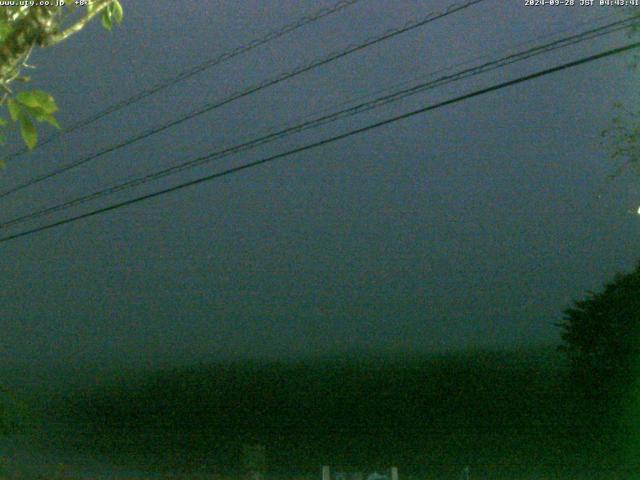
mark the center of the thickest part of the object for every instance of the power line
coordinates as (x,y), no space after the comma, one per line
(360,108)
(194,70)
(468,61)
(411,25)
(326,141)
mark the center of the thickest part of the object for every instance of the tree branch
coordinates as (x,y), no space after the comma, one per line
(28,31)
(79,25)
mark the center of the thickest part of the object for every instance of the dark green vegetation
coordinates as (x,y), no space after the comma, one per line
(22,30)
(14,413)
(501,412)
(507,414)
(601,336)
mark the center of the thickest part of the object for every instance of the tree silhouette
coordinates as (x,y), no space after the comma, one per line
(601,336)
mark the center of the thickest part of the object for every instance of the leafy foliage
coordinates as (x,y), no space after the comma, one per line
(29,106)
(112,13)
(602,337)
(22,28)
(623,137)
(624,133)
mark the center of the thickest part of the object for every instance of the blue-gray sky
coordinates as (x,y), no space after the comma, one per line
(474,225)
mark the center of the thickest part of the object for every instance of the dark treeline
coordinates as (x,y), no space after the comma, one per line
(435,413)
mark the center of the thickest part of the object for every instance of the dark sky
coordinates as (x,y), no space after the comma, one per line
(474,225)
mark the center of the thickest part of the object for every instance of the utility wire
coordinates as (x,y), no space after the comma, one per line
(253,89)
(329,140)
(470,60)
(362,107)
(194,70)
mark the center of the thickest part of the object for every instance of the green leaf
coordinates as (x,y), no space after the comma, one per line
(3,122)
(43,116)
(36,112)
(51,120)
(37,99)
(106,19)
(28,131)
(116,11)
(14,109)
(5,30)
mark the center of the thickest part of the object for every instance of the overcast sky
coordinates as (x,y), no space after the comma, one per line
(470,226)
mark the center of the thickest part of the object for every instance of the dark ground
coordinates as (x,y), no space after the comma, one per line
(506,414)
